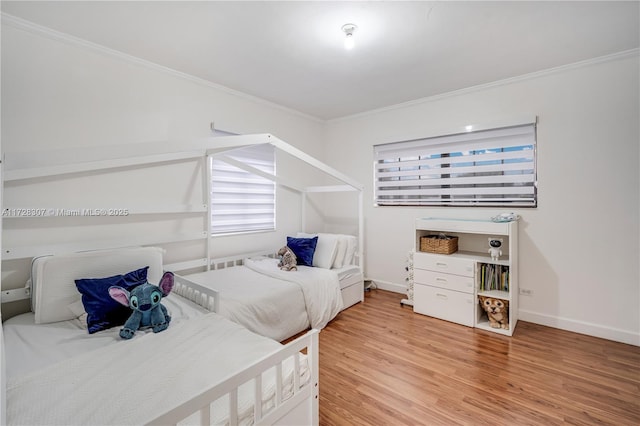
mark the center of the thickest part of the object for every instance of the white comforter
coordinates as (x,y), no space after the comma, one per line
(131,382)
(320,288)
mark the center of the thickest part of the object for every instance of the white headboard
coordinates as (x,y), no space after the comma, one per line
(53,288)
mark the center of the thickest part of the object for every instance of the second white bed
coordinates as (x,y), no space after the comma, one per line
(275,303)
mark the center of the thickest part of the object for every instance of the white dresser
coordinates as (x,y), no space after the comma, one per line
(444,287)
(447,286)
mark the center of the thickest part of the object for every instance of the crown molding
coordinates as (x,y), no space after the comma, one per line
(600,59)
(52,34)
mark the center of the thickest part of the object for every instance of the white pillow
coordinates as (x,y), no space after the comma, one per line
(341,252)
(53,278)
(352,245)
(326,249)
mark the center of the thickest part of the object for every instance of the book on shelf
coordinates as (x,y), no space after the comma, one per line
(494,277)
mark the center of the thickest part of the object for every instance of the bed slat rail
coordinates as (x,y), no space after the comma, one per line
(257,396)
(233,408)
(238,260)
(278,384)
(206,297)
(305,393)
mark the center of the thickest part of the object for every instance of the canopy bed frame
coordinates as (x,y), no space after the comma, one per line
(43,169)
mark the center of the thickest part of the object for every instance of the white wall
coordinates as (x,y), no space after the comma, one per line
(60,93)
(579,250)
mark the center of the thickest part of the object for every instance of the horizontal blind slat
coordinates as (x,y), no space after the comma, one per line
(460,191)
(497,164)
(451,140)
(511,168)
(240,200)
(505,156)
(478,180)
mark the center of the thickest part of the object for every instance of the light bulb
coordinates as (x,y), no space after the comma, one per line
(348,30)
(349,42)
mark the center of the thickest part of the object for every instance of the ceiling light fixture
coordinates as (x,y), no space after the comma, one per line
(349,29)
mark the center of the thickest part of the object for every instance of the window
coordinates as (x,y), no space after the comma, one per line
(494,167)
(242,200)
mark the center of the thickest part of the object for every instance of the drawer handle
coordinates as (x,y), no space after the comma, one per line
(442,280)
(442,296)
(441,264)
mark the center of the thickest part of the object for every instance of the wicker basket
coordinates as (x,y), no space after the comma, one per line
(441,244)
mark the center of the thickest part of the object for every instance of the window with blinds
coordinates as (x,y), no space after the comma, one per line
(242,201)
(495,167)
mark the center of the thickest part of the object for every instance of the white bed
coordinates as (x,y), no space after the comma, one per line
(58,373)
(155,194)
(280,304)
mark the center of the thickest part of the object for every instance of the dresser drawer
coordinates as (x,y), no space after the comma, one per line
(442,280)
(448,264)
(445,304)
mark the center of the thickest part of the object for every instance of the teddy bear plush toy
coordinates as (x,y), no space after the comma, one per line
(288,260)
(145,302)
(497,311)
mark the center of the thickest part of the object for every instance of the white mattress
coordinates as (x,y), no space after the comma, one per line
(265,305)
(29,346)
(59,374)
(274,303)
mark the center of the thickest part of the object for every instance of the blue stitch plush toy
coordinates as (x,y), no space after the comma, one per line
(145,302)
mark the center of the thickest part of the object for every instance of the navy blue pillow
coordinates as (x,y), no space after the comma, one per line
(303,248)
(102,311)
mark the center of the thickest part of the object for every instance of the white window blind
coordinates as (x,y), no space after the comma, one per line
(494,167)
(242,201)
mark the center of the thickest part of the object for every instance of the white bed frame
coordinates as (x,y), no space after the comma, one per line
(30,168)
(25,168)
(301,408)
(351,295)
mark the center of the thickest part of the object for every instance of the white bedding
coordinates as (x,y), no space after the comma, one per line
(320,288)
(157,371)
(30,346)
(274,303)
(265,305)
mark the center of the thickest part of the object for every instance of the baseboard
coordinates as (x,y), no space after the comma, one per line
(591,329)
(389,286)
(582,327)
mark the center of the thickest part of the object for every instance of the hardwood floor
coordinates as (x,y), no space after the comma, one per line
(381,364)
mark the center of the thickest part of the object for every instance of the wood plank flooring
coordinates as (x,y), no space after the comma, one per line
(381,364)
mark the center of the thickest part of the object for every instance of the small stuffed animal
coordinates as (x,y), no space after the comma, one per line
(288,260)
(145,302)
(497,311)
(494,250)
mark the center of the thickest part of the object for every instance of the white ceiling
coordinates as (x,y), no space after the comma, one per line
(291,53)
